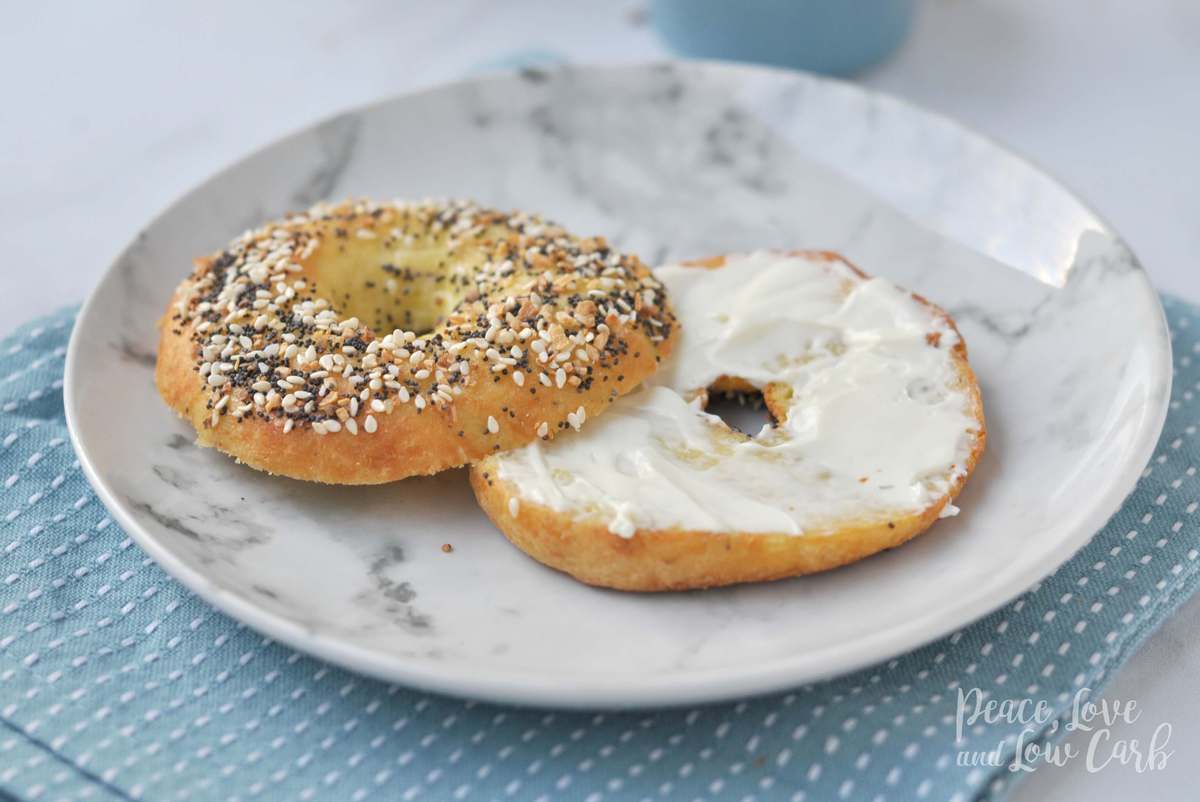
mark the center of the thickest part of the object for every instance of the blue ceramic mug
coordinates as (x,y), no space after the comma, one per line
(838,37)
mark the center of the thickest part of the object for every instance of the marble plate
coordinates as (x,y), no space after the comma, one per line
(672,161)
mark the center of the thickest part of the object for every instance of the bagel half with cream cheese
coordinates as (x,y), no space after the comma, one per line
(878,422)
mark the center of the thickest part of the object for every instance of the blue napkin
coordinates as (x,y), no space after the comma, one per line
(117,683)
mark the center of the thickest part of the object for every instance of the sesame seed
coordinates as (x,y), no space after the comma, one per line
(492,425)
(543,429)
(419,403)
(519,378)
(560,378)
(332,425)
(370,425)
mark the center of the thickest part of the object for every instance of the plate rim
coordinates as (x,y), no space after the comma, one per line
(666,690)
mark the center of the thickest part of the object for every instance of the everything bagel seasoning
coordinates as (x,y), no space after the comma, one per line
(528,304)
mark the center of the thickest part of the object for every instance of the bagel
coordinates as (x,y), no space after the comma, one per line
(365,342)
(878,422)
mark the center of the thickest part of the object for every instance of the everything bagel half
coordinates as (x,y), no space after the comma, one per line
(878,422)
(365,342)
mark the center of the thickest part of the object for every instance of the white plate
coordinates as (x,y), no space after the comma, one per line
(671,161)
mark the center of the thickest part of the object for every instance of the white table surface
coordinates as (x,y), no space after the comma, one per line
(114,109)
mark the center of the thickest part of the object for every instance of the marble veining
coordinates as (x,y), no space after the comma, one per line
(336,139)
(671,161)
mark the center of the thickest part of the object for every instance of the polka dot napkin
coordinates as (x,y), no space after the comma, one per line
(117,683)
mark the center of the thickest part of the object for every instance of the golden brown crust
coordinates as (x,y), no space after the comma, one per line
(674,559)
(407,442)
(484,410)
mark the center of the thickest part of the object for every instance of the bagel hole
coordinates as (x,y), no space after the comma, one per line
(741,410)
(413,290)
(407,299)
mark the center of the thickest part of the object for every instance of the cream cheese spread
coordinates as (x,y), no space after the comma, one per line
(879,421)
